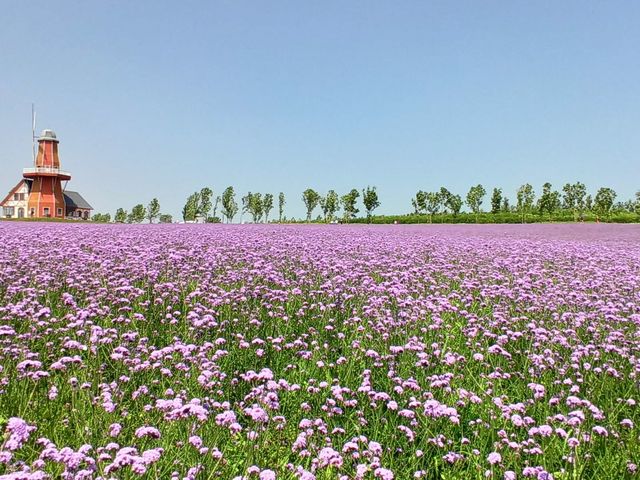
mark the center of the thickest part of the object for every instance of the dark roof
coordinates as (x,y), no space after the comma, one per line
(75,200)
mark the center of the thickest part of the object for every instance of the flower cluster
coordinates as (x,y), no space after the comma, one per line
(303,352)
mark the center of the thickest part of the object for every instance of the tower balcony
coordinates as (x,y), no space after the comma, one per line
(32,172)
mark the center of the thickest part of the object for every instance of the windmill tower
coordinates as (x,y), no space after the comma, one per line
(46,198)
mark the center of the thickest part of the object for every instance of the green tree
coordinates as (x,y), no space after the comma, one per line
(454,204)
(526,197)
(474,199)
(505,205)
(419,203)
(330,205)
(101,218)
(153,210)
(370,201)
(444,197)
(637,203)
(204,205)
(433,201)
(621,207)
(496,200)
(311,199)
(246,204)
(190,209)
(165,218)
(603,201)
(138,214)
(579,192)
(267,206)
(215,207)
(628,206)
(348,202)
(568,197)
(573,198)
(121,215)
(281,203)
(549,201)
(229,205)
(255,206)
(588,203)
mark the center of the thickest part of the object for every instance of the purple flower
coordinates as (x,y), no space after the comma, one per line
(150,432)
(267,475)
(19,432)
(383,473)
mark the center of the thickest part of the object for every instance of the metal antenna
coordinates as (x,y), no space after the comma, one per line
(33,133)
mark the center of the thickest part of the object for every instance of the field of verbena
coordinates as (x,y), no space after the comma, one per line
(209,351)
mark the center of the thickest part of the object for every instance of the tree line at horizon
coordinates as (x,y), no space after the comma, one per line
(574,198)
(202,206)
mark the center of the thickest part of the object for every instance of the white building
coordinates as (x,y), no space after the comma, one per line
(16,202)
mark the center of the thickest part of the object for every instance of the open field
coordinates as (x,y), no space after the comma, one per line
(319,352)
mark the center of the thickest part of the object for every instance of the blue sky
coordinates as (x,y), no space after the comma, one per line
(162,98)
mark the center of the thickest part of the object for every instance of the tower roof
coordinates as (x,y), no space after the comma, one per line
(48,134)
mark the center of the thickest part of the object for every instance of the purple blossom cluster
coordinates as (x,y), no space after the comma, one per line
(315,352)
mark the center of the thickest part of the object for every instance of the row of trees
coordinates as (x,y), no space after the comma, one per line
(138,214)
(331,202)
(202,206)
(573,198)
(259,205)
(199,206)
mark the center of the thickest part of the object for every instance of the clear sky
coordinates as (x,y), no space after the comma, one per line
(154,98)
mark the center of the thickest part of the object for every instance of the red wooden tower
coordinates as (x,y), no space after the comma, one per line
(46,198)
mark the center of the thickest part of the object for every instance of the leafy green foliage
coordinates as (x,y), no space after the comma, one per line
(604,201)
(370,200)
(549,201)
(229,205)
(526,197)
(496,200)
(311,200)
(474,198)
(138,214)
(267,205)
(330,205)
(348,202)
(190,209)
(281,203)
(419,203)
(253,204)
(101,218)
(121,215)
(204,205)
(153,210)
(454,204)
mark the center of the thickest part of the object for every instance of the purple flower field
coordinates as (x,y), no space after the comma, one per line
(319,352)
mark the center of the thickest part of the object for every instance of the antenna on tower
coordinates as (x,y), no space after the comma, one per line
(33,133)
